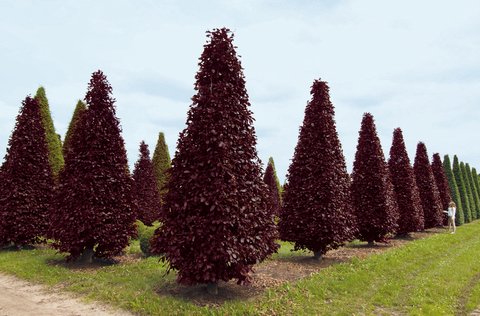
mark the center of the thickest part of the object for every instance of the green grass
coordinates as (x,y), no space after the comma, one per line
(438,275)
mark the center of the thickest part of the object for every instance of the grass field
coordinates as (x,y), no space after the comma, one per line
(433,276)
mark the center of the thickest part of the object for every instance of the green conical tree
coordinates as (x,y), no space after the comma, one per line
(54,144)
(81,106)
(467,215)
(476,185)
(468,188)
(161,163)
(279,186)
(455,194)
(473,189)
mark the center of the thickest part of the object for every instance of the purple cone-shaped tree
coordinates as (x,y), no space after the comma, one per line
(317,210)
(403,179)
(26,180)
(442,184)
(372,189)
(431,203)
(273,194)
(94,204)
(146,188)
(216,223)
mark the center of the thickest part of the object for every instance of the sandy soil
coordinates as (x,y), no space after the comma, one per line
(18,297)
(21,298)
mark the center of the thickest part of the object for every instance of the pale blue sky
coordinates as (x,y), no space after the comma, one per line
(412,64)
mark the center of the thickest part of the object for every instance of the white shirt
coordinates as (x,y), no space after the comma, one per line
(451,211)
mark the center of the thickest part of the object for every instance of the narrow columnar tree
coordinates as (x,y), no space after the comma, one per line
(279,186)
(26,179)
(372,189)
(468,188)
(455,194)
(94,209)
(429,195)
(473,189)
(403,179)
(79,108)
(442,184)
(54,145)
(217,223)
(467,215)
(273,193)
(317,211)
(161,164)
(146,189)
(476,186)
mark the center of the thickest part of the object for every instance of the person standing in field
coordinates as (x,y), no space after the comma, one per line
(452,209)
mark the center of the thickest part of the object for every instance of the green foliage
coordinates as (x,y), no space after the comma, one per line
(81,106)
(161,163)
(55,155)
(473,192)
(280,188)
(476,185)
(455,193)
(470,215)
(462,190)
(145,239)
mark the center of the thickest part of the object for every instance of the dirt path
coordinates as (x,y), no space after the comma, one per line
(22,298)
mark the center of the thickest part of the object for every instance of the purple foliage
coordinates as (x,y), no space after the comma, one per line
(317,210)
(372,189)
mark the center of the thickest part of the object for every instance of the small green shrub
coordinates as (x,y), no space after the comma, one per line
(145,239)
(141,227)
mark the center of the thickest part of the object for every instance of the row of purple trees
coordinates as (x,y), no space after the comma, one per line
(218,218)
(323,207)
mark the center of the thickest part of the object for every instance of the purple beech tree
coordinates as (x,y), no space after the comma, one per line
(273,193)
(442,184)
(216,223)
(317,210)
(431,203)
(26,180)
(94,209)
(403,179)
(146,188)
(372,190)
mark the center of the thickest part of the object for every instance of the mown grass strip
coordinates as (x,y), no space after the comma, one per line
(433,276)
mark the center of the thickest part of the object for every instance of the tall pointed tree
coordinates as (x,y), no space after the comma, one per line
(476,186)
(455,194)
(468,188)
(79,108)
(161,164)
(467,215)
(442,184)
(54,144)
(94,209)
(372,189)
(279,186)
(429,194)
(403,179)
(317,210)
(473,190)
(26,179)
(273,192)
(217,224)
(146,189)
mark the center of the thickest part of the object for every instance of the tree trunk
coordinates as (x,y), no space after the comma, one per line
(87,256)
(317,255)
(212,288)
